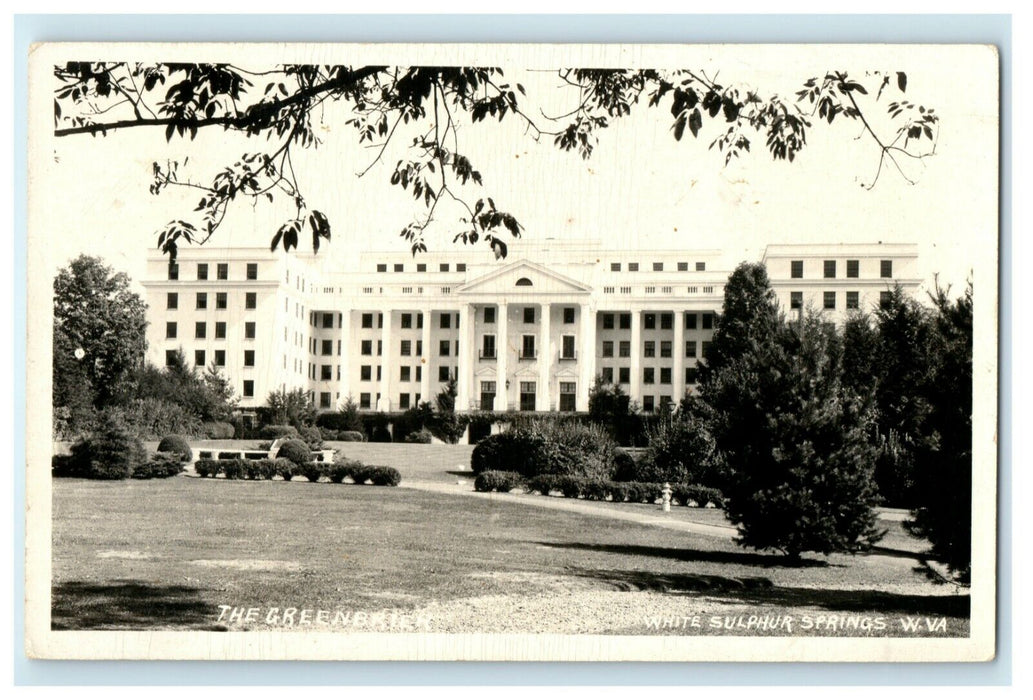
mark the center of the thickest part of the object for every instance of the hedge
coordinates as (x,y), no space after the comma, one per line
(275,432)
(161,466)
(178,445)
(287,470)
(360,473)
(548,447)
(313,471)
(422,437)
(692,495)
(503,482)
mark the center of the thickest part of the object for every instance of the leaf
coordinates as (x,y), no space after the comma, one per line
(901,81)
(679,128)
(695,122)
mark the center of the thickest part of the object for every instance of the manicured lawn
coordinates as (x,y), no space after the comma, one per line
(167,554)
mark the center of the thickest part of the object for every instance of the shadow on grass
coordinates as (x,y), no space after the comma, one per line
(761,591)
(77,605)
(685,554)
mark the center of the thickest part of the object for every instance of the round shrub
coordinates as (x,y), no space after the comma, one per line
(385,476)
(503,482)
(624,466)
(110,452)
(218,431)
(208,468)
(285,468)
(351,436)
(312,437)
(543,484)
(680,451)
(234,468)
(338,471)
(360,473)
(275,432)
(421,437)
(504,452)
(177,445)
(160,466)
(312,471)
(296,451)
(548,447)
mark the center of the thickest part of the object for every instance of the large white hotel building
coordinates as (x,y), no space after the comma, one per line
(527,333)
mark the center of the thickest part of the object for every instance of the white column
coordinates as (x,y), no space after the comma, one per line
(635,389)
(425,357)
(545,358)
(678,353)
(466,354)
(586,356)
(386,365)
(502,353)
(343,360)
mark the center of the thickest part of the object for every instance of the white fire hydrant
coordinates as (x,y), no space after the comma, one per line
(665,498)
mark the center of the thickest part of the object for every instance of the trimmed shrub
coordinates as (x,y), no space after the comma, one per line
(218,431)
(680,451)
(177,445)
(338,471)
(503,482)
(385,476)
(285,468)
(226,455)
(313,471)
(312,437)
(296,451)
(110,452)
(328,433)
(208,468)
(160,466)
(234,468)
(624,465)
(351,436)
(422,437)
(548,447)
(698,496)
(543,483)
(275,432)
(360,473)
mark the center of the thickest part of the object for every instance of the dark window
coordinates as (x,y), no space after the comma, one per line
(647,404)
(528,314)
(460,267)
(527,396)
(367,320)
(648,375)
(607,348)
(399,267)
(249,388)
(690,348)
(658,267)
(666,321)
(568,314)
(405,373)
(202,300)
(488,347)
(650,349)
(487,396)
(170,329)
(443,347)
(705,348)
(406,321)
(615,267)
(665,375)
(403,401)
(252,271)
(853,268)
(200,329)
(683,267)
(852,300)
(607,321)
(691,374)
(624,375)
(328,320)
(406,347)
(568,396)
(796,269)
(701,267)
(691,321)
(249,329)
(527,347)
(419,320)
(250,300)
(625,322)
(442,374)
(220,330)
(380,348)
(220,358)
(446,320)
(489,314)
(324,399)
(419,376)
(381,267)
(830,269)
(327,347)
(829,300)
(886,268)
(624,348)
(249,358)
(665,348)
(567,350)
(326,372)
(172,300)
(649,321)
(366,347)
(173,271)
(364,400)
(380,320)
(632,267)
(421,267)
(222,271)
(220,300)
(443,267)
(202,271)
(795,300)
(885,299)
(366,373)
(608,375)
(419,348)
(708,321)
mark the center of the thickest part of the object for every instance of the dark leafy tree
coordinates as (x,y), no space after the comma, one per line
(860,353)
(446,424)
(206,396)
(943,477)
(99,333)
(293,407)
(796,444)
(427,107)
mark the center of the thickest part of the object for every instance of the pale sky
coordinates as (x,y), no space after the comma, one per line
(641,188)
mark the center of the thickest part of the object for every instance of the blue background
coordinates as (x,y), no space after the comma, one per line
(980,29)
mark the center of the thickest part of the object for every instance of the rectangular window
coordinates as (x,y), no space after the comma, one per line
(399,267)
(527,396)
(853,268)
(442,374)
(366,347)
(249,358)
(886,268)
(443,267)
(568,314)
(421,267)
(607,374)
(202,300)
(658,267)
(489,314)
(690,348)
(403,401)
(326,347)
(829,300)
(487,396)
(328,320)
(324,399)
(568,396)
(650,349)
(796,269)
(488,347)
(683,267)
(326,372)
(528,314)
(406,321)
(795,300)
(649,321)
(199,358)
(665,375)
(419,320)
(446,321)
(705,347)
(691,375)
(380,372)
(200,329)
(607,322)
(380,320)
(419,374)
(405,373)
(624,375)
(624,348)
(701,267)
(830,269)
(647,404)
(249,330)
(220,330)
(419,348)
(852,300)
(367,320)
(625,322)
(527,348)
(607,348)
(444,347)
(648,375)
(220,358)
(632,267)
(366,373)
(615,267)
(381,267)
(252,271)
(250,300)
(202,271)
(170,329)
(406,348)
(708,321)
(173,271)
(380,348)
(249,388)
(364,400)
(567,347)
(220,300)
(666,321)
(460,267)
(691,320)
(222,271)
(885,299)
(172,300)
(665,348)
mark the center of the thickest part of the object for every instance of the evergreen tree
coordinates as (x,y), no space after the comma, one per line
(293,407)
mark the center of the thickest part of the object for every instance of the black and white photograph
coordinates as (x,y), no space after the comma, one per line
(512,352)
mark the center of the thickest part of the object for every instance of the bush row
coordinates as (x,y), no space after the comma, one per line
(548,447)
(336,472)
(692,495)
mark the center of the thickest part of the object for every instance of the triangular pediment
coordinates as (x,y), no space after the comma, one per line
(528,371)
(487,371)
(524,277)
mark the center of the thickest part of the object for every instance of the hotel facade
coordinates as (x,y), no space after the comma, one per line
(527,333)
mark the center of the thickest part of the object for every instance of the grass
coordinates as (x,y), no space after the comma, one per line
(166,554)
